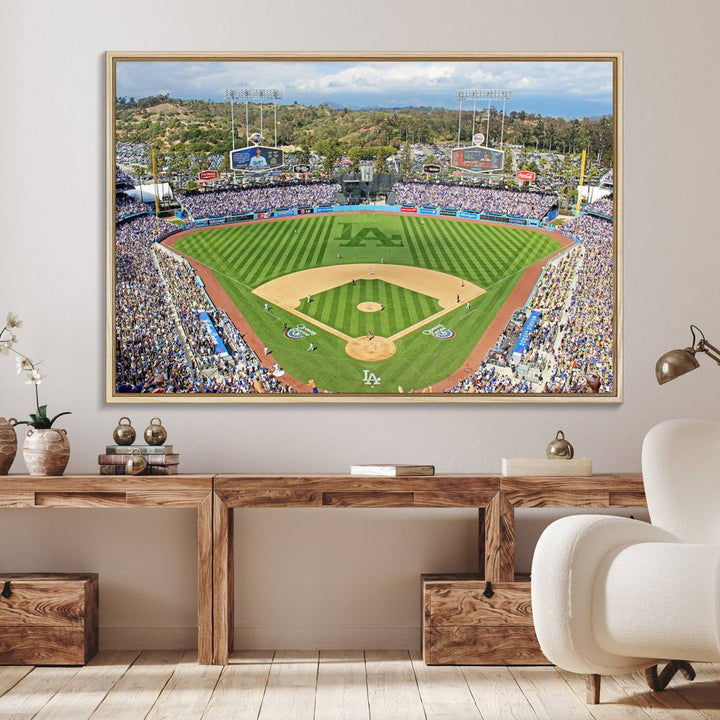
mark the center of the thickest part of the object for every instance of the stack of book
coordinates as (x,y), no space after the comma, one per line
(160,459)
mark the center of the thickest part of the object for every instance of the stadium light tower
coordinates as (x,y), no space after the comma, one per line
(488,94)
(232,94)
(257,94)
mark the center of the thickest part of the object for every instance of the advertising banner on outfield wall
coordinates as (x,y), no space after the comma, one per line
(305,211)
(408,209)
(428,211)
(468,214)
(324,209)
(285,212)
(448,212)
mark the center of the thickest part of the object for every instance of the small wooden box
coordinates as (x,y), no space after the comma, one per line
(461,626)
(48,618)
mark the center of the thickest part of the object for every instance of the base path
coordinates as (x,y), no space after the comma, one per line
(289,290)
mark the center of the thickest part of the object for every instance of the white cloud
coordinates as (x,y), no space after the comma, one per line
(341,82)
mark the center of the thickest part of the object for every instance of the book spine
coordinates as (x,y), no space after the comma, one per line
(420,470)
(162,470)
(144,449)
(149,470)
(112,469)
(173,459)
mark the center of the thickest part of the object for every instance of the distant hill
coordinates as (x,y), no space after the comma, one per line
(192,127)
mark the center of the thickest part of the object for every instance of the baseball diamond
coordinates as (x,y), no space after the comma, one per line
(369,285)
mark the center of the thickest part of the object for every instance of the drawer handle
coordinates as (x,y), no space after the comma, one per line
(6,592)
(488,592)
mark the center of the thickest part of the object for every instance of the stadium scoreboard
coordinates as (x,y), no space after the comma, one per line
(256,158)
(477,159)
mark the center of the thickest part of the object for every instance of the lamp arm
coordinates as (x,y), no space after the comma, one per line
(710,350)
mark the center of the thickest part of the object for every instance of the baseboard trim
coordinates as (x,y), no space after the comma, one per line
(265,636)
(327,637)
(148,637)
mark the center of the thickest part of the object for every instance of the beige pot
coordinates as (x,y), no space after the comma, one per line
(8,444)
(46,452)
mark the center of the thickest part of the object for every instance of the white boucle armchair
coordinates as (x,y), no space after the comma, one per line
(613,595)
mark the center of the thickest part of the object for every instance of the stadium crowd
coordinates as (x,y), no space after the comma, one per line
(257,199)
(125,206)
(162,346)
(463,197)
(603,207)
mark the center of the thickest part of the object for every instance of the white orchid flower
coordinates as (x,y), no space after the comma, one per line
(5,347)
(35,377)
(13,320)
(23,364)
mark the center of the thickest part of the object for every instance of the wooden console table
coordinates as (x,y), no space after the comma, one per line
(93,491)
(215,497)
(495,497)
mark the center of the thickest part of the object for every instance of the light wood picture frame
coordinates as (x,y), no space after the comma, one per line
(385,227)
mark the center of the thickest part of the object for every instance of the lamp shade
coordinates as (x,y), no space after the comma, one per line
(675,363)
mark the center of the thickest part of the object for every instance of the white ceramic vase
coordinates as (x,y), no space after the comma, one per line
(46,451)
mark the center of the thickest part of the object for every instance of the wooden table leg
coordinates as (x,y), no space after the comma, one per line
(205,580)
(223,581)
(499,518)
(481,541)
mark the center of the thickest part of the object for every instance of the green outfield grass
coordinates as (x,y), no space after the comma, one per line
(401,308)
(246,256)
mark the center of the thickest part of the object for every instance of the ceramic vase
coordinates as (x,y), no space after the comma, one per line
(8,444)
(46,451)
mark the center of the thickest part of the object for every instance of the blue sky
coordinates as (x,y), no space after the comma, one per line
(558,88)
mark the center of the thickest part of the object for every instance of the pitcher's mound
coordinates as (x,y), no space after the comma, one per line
(369,307)
(379,348)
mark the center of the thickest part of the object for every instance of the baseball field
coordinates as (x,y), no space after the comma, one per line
(366,302)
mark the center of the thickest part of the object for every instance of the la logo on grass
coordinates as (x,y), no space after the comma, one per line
(363,234)
(370,378)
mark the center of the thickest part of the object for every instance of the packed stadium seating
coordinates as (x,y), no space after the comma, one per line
(501,202)
(243,200)
(161,344)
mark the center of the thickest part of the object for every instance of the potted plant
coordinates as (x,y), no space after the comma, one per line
(46,449)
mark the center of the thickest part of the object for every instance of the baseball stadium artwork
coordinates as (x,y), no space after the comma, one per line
(364,227)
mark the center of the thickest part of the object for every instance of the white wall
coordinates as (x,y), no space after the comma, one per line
(330,578)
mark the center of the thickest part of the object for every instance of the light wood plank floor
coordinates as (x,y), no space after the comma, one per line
(350,685)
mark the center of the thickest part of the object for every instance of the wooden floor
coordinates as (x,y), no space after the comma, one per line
(370,685)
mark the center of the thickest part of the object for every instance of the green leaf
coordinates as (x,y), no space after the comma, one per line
(42,411)
(67,412)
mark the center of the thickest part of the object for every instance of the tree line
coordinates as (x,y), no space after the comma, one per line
(204,127)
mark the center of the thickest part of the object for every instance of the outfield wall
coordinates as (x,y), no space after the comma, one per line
(326,209)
